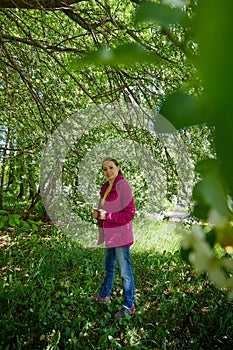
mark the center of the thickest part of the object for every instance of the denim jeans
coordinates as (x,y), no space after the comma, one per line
(122,255)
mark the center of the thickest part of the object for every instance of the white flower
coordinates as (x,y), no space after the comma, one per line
(216,219)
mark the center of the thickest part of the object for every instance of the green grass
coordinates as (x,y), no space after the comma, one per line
(157,236)
(47,281)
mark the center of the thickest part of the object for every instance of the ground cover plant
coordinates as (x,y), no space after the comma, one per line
(47,281)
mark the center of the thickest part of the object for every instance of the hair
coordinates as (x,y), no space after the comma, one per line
(111,160)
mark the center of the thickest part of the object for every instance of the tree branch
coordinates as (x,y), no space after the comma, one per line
(27,83)
(41,45)
(38,4)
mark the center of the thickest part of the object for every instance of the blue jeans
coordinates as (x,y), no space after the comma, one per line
(122,255)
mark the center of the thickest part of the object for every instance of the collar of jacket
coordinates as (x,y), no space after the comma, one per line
(105,185)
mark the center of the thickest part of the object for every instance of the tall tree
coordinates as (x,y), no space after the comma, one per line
(38,41)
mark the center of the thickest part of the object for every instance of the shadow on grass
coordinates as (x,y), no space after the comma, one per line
(47,282)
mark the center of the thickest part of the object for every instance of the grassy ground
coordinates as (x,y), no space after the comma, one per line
(47,281)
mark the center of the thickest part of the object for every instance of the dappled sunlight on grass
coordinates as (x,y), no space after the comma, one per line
(157,236)
(47,282)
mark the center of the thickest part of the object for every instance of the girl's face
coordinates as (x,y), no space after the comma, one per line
(110,170)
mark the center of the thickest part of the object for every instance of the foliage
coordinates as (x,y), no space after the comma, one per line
(47,282)
(9,220)
(38,91)
(210,103)
(211,193)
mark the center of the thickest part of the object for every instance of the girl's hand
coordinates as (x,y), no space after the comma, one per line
(102,214)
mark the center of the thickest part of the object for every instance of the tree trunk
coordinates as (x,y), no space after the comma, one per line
(3,167)
(22,171)
(11,164)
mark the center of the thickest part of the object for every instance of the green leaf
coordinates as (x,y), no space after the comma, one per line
(11,221)
(200,209)
(57,339)
(127,54)
(34,227)
(182,110)
(2,224)
(16,219)
(5,218)
(214,37)
(210,192)
(185,254)
(211,238)
(25,226)
(225,235)
(159,14)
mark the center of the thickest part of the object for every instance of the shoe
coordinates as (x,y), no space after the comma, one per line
(99,299)
(125,311)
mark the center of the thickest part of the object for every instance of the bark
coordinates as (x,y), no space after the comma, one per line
(22,170)
(11,163)
(3,167)
(38,4)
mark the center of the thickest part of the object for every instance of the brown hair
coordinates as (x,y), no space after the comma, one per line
(111,160)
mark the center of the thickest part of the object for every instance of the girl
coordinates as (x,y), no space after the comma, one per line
(115,212)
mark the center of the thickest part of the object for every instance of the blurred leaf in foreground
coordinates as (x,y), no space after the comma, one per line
(182,110)
(210,194)
(159,14)
(127,54)
(214,36)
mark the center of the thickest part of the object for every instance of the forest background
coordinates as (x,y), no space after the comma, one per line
(60,58)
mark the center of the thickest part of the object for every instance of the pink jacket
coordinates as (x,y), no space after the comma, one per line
(116,230)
